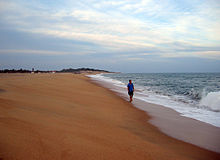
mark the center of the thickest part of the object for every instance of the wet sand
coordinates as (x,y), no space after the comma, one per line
(171,122)
(65,116)
(183,128)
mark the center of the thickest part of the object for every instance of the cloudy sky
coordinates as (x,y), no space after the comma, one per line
(116,35)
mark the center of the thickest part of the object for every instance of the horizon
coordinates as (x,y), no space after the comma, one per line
(163,36)
(114,71)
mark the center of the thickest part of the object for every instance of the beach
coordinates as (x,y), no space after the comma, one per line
(168,120)
(67,116)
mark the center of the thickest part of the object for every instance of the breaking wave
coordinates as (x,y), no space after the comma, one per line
(212,101)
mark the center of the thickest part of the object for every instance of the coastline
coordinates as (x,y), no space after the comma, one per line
(65,116)
(172,122)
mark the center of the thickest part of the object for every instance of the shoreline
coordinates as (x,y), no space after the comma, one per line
(172,123)
(66,116)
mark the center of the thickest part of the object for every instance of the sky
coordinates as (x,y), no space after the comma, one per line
(115,35)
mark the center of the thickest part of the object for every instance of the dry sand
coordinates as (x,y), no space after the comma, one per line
(65,116)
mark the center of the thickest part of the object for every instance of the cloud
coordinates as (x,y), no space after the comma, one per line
(202,54)
(9,51)
(162,28)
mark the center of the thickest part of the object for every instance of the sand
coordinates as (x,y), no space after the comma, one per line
(65,116)
(172,122)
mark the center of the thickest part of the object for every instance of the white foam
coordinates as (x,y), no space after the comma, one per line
(106,79)
(185,109)
(195,111)
(212,101)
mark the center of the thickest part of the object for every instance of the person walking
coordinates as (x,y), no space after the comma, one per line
(130,87)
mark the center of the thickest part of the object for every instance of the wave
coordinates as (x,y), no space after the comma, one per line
(193,94)
(202,104)
(212,101)
(107,79)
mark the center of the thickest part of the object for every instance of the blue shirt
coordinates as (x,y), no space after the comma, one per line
(130,87)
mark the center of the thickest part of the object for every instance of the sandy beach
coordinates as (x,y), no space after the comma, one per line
(171,122)
(66,116)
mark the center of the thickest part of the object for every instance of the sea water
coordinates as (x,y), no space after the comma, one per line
(194,95)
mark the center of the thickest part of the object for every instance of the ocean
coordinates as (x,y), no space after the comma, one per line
(193,95)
